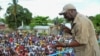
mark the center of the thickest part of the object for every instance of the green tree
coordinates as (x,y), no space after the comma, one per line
(39,20)
(96,22)
(14,11)
(22,14)
(50,21)
(58,20)
(0,8)
(2,20)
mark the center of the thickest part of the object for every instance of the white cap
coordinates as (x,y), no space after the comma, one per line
(66,8)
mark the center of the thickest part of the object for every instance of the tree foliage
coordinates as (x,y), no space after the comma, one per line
(2,20)
(22,14)
(39,20)
(58,20)
(0,8)
(96,22)
(50,20)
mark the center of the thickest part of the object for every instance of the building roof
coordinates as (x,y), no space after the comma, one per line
(1,23)
(41,27)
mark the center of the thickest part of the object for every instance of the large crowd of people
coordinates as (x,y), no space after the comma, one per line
(28,44)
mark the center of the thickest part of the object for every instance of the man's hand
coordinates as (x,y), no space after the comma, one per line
(65,29)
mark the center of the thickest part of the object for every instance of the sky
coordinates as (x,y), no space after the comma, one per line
(51,8)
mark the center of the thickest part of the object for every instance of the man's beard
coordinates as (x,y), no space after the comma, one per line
(69,19)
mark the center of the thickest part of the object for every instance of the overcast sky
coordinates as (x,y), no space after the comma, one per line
(51,8)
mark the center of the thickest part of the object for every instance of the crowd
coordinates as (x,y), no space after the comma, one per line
(28,44)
